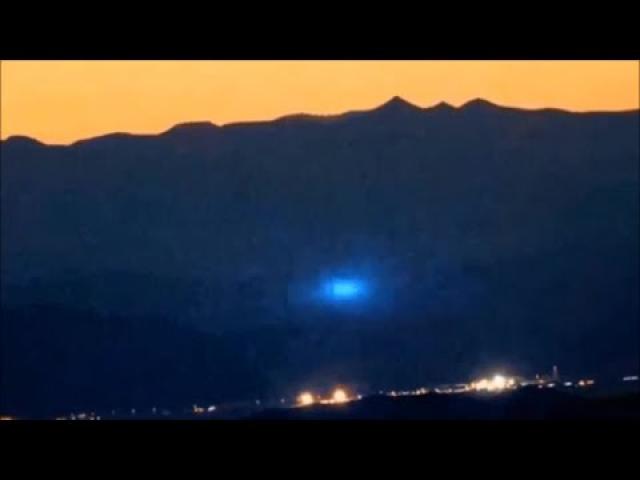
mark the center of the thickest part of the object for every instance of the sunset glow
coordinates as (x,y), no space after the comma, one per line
(63,101)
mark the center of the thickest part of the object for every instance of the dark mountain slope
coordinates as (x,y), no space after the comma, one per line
(491,234)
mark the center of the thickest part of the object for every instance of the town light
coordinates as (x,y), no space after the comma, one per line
(305,398)
(340,396)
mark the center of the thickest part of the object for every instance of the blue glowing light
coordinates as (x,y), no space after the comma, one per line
(345,289)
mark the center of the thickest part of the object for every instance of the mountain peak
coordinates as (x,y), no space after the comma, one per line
(22,140)
(478,103)
(442,106)
(397,103)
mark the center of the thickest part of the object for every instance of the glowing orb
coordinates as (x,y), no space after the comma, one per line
(344,289)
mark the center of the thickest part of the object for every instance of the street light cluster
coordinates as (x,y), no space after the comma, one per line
(495,384)
(339,395)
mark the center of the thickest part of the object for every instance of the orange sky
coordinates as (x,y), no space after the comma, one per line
(63,101)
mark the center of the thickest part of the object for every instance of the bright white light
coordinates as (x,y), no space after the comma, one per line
(340,396)
(499,382)
(305,398)
(482,384)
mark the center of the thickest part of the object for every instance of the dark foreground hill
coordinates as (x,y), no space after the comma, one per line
(525,404)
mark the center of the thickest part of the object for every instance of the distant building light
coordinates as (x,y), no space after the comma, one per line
(340,396)
(551,385)
(497,383)
(305,399)
(630,378)
(211,408)
(567,384)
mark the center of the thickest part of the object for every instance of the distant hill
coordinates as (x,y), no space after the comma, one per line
(490,235)
(57,360)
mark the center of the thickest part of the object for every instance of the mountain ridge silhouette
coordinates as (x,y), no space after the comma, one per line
(394,103)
